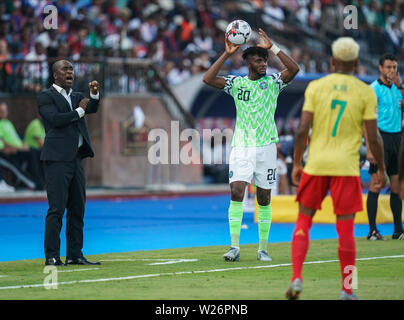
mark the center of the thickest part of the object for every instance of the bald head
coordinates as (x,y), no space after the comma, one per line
(58,64)
(63,74)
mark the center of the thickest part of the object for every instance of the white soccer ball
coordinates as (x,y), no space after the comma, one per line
(238,32)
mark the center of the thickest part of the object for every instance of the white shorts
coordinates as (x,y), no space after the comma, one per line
(257,164)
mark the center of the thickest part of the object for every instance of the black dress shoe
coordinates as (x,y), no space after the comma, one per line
(54,262)
(81,261)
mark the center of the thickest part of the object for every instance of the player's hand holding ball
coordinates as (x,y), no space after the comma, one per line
(230,47)
(238,32)
(267,43)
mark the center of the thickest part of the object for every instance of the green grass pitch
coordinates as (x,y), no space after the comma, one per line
(201,274)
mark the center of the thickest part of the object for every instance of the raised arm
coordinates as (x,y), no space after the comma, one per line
(210,77)
(291,66)
(91,105)
(398,82)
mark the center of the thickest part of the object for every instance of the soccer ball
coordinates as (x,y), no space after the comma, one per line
(238,32)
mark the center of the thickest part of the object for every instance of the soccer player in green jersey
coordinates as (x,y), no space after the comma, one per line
(253,154)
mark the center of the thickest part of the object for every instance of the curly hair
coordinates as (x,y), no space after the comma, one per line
(251,51)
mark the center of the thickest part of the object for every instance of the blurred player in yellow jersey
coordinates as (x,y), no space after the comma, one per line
(336,107)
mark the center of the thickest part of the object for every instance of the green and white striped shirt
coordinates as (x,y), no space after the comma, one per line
(256,103)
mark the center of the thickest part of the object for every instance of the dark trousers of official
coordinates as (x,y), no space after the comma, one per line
(65,187)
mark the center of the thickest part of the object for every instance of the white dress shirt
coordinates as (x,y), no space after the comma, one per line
(79,110)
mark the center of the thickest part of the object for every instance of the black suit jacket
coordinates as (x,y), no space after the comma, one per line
(62,126)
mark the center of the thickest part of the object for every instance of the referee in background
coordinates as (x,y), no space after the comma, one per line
(389,91)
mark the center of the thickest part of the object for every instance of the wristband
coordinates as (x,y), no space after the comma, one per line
(275,49)
(80,111)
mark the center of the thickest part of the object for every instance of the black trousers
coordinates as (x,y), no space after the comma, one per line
(65,187)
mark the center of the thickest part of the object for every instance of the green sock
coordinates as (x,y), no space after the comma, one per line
(264,224)
(235,218)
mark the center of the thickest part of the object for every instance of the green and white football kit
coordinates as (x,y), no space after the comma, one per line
(253,154)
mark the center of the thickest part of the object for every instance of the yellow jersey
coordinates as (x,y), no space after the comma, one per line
(339,103)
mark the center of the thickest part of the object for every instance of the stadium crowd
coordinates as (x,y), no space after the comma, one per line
(182,37)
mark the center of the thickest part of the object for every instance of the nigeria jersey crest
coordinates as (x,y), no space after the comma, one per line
(264,85)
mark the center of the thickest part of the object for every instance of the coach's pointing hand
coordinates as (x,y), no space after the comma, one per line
(93,85)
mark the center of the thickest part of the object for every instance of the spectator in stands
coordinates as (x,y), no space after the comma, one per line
(274,10)
(16,151)
(314,14)
(4,187)
(394,34)
(332,16)
(202,61)
(163,29)
(204,41)
(281,172)
(5,68)
(26,37)
(34,138)
(176,73)
(34,134)
(96,38)
(6,163)
(371,12)
(36,74)
(286,140)
(384,14)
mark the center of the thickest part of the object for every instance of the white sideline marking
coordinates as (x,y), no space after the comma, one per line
(78,270)
(185,272)
(165,261)
(146,259)
(2,276)
(172,261)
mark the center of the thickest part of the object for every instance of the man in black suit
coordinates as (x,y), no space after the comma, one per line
(66,143)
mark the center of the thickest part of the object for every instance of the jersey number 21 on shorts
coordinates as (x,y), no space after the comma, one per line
(271,177)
